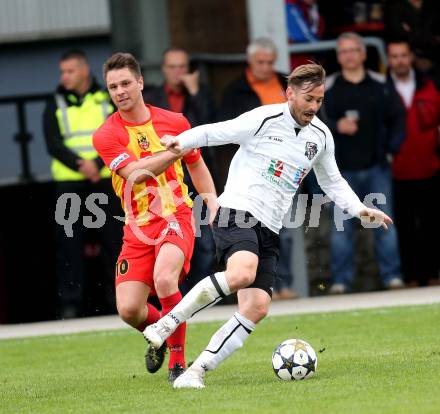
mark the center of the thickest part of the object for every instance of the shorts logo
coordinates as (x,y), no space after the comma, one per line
(122,267)
(173,229)
(143,141)
(115,163)
(276,168)
(311,150)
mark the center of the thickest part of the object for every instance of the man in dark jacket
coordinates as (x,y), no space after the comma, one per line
(183,92)
(367,121)
(259,85)
(415,168)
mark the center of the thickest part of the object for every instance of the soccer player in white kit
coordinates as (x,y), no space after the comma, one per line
(279,145)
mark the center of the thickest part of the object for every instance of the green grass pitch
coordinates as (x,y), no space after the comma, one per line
(372,361)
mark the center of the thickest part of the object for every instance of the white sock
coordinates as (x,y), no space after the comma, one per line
(224,342)
(205,294)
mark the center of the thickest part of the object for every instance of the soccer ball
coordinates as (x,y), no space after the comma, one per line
(294,359)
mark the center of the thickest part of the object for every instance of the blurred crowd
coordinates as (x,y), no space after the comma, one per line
(385,122)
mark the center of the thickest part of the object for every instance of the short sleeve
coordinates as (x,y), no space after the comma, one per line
(110,148)
(193,156)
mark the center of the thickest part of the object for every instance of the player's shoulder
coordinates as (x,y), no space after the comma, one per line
(112,127)
(272,109)
(265,113)
(160,113)
(320,127)
(161,116)
(262,117)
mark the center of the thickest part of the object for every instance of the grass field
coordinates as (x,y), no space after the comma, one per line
(373,361)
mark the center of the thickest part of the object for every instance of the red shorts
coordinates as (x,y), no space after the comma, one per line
(142,244)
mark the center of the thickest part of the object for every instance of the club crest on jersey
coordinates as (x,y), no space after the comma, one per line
(276,168)
(311,150)
(143,141)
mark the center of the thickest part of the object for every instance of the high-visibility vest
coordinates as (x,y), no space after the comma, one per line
(77,123)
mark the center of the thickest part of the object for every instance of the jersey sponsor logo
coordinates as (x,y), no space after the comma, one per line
(117,161)
(143,141)
(279,174)
(274,173)
(276,168)
(311,150)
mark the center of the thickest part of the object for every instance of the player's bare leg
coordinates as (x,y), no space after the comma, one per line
(131,302)
(167,270)
(240,273)
(253,305)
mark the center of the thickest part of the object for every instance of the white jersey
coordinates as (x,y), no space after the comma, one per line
(272,160)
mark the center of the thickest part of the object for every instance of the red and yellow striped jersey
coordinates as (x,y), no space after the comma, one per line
(119,142)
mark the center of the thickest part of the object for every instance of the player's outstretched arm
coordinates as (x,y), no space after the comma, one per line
(235,131)
(338,190)
(149,167)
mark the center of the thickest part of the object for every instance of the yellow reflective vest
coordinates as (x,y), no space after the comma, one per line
(77,123)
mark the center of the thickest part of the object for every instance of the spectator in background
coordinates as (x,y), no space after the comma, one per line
(418,22)
(260,85)
(415,168)
(79,106)
(304,25)
(183,92)
(367,121)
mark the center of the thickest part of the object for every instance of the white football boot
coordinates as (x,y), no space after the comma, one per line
(193,377)
(157,333)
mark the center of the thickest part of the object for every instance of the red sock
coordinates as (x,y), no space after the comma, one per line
(176,342)
(152,317)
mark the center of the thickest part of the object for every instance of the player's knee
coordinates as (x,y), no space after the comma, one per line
(129,312)
(241,278)
(164,282)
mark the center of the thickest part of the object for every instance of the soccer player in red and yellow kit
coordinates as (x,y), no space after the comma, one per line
(158,235)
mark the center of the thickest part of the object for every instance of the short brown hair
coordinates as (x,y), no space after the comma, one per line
(78,54)
(121,60)
(310,75)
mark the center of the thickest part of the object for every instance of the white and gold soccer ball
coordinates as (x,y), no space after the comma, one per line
(294,359)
